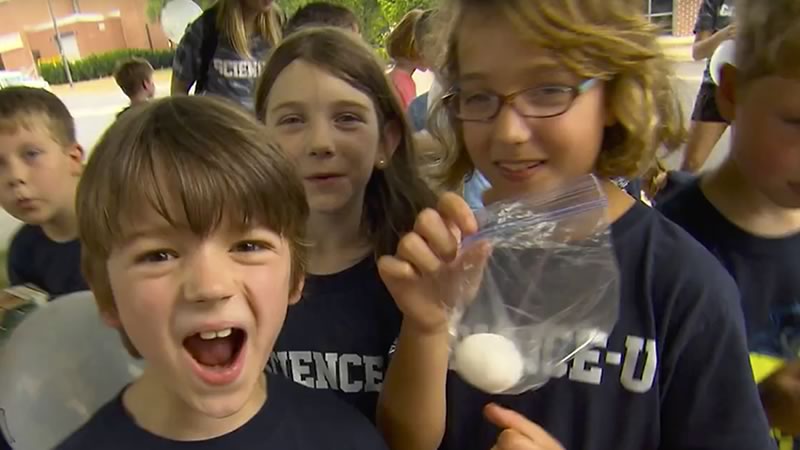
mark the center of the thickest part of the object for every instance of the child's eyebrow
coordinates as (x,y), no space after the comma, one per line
(289,104)
(141,232)
(351,104)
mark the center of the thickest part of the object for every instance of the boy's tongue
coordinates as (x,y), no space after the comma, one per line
(211,352)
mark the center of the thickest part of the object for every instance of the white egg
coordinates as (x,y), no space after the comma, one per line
(489,362)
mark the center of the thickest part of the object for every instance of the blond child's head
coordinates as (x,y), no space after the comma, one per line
(761,96)
(192,227)
(538,92)
(40,159)
(135,77)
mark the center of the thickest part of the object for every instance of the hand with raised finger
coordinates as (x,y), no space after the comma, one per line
(428,274)
(518,432)
(780,395)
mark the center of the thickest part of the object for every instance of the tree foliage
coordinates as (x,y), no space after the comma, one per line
(377,17)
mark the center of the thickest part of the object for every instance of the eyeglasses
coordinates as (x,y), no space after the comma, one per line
(539,102)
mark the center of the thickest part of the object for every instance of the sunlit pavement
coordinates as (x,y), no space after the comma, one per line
(95,104)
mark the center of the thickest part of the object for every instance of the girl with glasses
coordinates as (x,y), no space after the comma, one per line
(540,93)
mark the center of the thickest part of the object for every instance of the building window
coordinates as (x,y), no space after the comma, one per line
(660,13)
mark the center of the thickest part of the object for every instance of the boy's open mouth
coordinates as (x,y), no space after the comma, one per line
(216,349)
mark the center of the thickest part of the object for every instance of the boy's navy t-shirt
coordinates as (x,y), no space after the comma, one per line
(339,335)
(55,267)
(767,272)
(673,374)
(293,418)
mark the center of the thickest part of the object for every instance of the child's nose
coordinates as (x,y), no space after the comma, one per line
(321,141)
(511,127)
(15,173)
(207,279)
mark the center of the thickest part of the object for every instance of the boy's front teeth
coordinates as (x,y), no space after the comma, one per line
(208,335)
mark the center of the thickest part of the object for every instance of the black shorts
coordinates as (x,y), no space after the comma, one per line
(705,107)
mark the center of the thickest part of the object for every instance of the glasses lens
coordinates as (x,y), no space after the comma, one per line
(544,101)
(475,105)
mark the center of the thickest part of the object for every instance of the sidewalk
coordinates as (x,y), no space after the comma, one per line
(103,85)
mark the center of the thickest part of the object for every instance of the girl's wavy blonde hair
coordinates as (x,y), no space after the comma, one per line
(230,22)
(610,40)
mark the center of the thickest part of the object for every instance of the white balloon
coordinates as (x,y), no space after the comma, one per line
(725,54)
(176,16)
(57,368)
(488,361)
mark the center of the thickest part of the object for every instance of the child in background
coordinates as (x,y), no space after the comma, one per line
(747,212)
(423,33)
(223,51)
(403,52)
(192,224)
(323,14)
(135,77)
(540,93)
(40,165)
(714,26)
(325,99)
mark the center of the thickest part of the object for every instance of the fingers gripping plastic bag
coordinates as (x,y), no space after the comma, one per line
(543,284)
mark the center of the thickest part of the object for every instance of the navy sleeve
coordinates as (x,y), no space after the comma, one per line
(418,112)
(707,17)
(186,64)
(710,398)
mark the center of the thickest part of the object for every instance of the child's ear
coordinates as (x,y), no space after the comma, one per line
(110,317)
(392,134)
(726,92)
(297,293)
(75,154)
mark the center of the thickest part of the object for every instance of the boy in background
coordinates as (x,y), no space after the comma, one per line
(322,14)
(40,165)
(194,262)
(135,77)
(747,212)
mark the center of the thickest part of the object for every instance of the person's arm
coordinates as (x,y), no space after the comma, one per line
(706,40)
(780,395)
(705,43)
(185,65)
(178,86)
(412,404)
(411,408)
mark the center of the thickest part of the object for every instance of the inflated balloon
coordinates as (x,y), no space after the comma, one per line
(58,366)
(176,16)
(725,54)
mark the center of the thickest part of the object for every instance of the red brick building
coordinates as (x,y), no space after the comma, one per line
(86,27)
(676,16)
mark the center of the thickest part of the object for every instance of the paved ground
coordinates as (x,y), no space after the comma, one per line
(94,104)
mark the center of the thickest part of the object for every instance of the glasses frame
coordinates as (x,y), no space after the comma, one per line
(575,91)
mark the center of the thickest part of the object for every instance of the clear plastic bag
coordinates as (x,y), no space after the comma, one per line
(546,287)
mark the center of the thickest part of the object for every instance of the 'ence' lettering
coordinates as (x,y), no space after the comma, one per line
(346,372)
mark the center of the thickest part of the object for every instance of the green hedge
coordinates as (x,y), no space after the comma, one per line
(100,65)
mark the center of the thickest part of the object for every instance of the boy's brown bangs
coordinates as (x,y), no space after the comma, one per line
(35,122)
(216,170)
(205,197)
